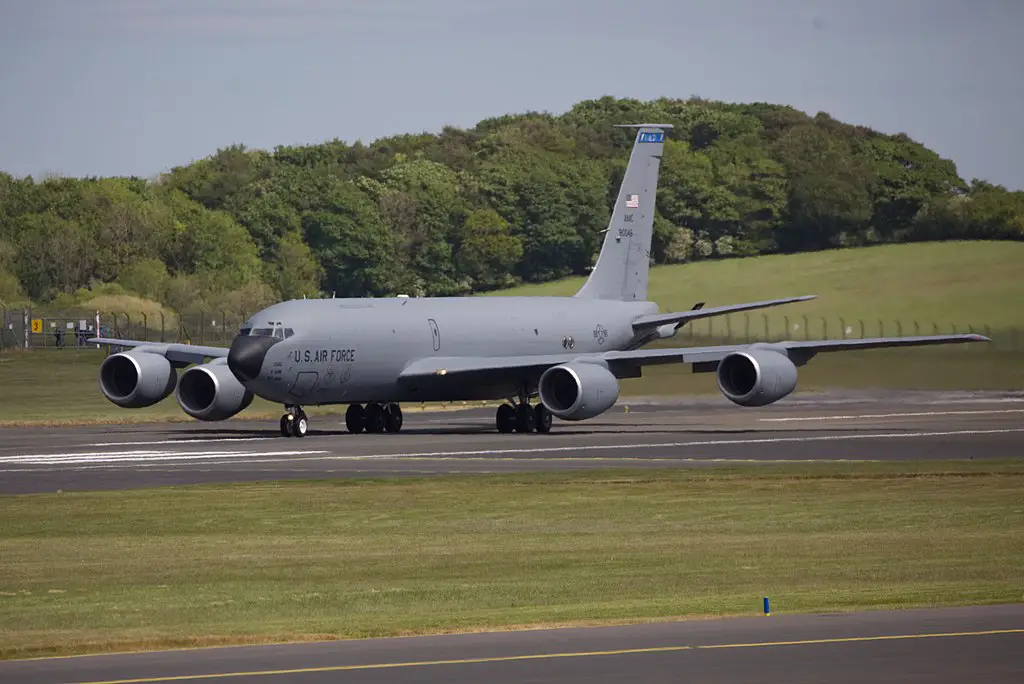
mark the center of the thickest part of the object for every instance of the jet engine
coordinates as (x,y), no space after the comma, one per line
(756,377)
(577,391)
(136,379)
(211,392)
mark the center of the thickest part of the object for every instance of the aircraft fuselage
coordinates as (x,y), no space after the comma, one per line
(353,350)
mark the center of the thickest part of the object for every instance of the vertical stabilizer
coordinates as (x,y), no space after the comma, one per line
(622,265)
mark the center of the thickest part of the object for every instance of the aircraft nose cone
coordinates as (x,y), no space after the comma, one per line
(245,358)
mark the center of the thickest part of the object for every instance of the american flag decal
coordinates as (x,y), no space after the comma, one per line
(633,201)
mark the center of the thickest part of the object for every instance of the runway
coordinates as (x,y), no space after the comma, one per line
(667,433)
(951,645)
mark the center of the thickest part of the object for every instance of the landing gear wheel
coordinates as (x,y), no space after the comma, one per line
(393,418)
(294,423)
(300,425)
(525,421)
(542,418)
(375,418)
(355,419)
(505,419)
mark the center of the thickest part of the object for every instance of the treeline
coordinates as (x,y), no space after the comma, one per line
(515,199)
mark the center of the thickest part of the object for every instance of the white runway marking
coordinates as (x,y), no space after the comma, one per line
(919,414)
(196,440)
(137,459)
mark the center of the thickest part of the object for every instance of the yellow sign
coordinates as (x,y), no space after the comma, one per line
(37,325)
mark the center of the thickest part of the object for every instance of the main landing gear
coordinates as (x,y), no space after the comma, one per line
(294,423)
(522,417)
(374,418)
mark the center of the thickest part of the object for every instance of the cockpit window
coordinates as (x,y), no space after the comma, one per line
(279,333)
(244,331)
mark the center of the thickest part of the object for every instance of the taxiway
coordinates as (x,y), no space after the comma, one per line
(942,645)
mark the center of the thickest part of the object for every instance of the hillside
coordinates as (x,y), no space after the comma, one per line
(521,198)
(962,283)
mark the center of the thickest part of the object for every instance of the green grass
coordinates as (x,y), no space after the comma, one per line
(945,283)
(102,571)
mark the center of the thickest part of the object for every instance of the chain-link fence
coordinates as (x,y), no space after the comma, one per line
(24,329)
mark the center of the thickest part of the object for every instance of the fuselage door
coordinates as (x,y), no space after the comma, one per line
(435,333)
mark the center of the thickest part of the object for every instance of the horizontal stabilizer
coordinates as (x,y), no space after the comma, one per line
(680,318)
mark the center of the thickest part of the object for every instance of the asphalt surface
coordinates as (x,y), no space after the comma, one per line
(658,435)
(954,645)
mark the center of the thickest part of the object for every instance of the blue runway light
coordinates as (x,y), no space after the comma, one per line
(767,607)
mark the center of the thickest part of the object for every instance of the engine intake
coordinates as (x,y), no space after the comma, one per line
(577,391)
(211,392)
(136,379)
(756,377)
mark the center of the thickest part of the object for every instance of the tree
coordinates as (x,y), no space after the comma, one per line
(488,251)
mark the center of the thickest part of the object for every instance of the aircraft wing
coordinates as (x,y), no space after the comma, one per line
(173,351)
(682,317)
(799,351)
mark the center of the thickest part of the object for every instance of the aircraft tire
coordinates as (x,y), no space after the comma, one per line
(525,421)
(505,419)
(300,426)
(286,430)
(542,418)
(375,418)
(355,418)
(393,418)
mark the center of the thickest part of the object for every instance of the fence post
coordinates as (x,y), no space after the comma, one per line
(162,327)
(842,324)
(824,328)
(223,326)
(145,327)
(202,327)
(26,316)
(917,329)
(899,329)
(807,329)
(862,335)
(127,325)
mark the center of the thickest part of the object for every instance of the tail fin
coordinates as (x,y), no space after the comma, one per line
(622,265)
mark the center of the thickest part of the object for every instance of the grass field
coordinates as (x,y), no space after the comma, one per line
(945,283)
(112,570)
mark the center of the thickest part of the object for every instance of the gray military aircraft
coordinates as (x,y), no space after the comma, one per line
(569,352)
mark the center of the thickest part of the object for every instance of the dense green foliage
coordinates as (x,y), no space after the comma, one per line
(515,199)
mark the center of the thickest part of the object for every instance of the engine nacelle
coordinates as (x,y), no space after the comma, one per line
(211,392)
(756,377)
(137,378)
(577,391)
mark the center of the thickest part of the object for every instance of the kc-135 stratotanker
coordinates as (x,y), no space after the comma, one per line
(567,352)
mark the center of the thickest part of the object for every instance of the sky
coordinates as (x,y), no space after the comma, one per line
(135,87)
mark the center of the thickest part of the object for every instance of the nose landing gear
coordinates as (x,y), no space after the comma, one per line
(294,423)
